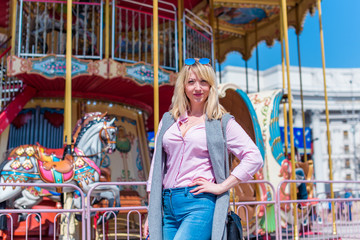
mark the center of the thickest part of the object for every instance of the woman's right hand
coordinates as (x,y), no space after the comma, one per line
(146,228)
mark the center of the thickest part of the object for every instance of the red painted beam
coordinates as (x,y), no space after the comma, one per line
(15,106)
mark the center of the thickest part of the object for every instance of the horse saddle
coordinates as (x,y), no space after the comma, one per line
(58,152)
(54,170)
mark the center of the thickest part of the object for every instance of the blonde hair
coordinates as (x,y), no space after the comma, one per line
(180,102)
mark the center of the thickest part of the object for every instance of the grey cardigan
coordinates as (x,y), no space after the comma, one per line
(219,159)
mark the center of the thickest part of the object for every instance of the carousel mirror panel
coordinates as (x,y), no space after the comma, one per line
(37,125)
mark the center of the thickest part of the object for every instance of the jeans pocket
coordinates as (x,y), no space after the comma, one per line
(204,196)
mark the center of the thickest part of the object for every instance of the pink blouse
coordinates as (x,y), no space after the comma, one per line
(189,159)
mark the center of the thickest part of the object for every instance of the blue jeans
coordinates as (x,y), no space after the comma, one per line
(187,216)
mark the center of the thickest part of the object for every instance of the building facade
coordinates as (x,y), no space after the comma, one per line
(343,90)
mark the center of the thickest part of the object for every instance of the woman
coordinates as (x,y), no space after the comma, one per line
(189,175)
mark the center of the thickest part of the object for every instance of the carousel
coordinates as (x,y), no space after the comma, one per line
(83,82)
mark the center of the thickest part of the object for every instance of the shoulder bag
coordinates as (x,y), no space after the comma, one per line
(233,225)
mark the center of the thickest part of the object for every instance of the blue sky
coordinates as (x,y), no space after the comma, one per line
(341,25)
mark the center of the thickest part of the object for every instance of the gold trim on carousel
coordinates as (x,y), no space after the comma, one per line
(20,151)
(30,151)
(11,179)
(27,164)
(79,162)
(15,164)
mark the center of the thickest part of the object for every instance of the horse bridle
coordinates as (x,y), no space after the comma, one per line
(105,142)
(105,128)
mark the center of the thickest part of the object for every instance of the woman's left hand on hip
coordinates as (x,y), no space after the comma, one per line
(204,186)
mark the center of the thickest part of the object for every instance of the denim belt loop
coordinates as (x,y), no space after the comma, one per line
(186,191)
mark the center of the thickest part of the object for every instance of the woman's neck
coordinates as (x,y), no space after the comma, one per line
(196,111)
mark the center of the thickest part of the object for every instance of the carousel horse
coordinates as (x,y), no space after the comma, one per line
(31,164)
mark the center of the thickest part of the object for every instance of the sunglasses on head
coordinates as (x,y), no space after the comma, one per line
(191,61)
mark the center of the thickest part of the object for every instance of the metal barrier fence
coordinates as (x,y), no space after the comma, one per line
(258,225)
(26,189)
(136,231)
(269,218)
(319,218)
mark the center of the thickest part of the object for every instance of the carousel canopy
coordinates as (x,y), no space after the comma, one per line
(241,24)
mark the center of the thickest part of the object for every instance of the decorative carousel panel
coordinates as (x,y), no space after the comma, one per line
(244,14)
(100,68)
(239,105)
(49,67)
(52,67)
(144,74)
(266,105)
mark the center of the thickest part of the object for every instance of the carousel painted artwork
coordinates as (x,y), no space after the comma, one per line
(52,66)
(130,162)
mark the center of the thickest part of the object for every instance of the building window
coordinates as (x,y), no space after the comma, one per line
(346,149)
(347,163)
(348,177)
(346,134)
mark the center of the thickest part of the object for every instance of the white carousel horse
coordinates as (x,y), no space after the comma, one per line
(29,164)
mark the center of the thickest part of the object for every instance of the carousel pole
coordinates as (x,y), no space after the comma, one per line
(212,24)
(218,46)
(247,76)
(156,64)
(246,64)
(327,116)
(67,198)
(180,13)
(301,84)
(293,185)
(13,26)
(284,86)
(67,110)
(107,29)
